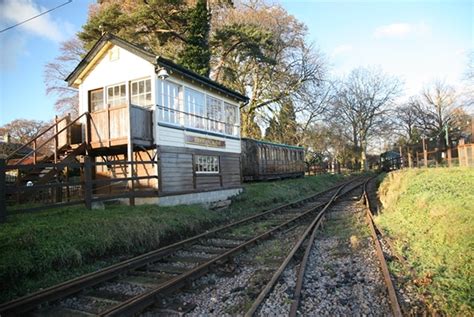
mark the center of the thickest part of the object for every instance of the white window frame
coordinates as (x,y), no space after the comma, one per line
(189,114)
(115,104)
(144,94)
(194,119)
(171,112)
(212,163)
(216,118)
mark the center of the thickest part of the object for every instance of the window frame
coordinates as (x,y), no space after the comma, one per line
(199,117)
(144,94)
(93,91)
(215,160)
(125,99)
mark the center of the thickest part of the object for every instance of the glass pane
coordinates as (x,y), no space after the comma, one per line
(122,91)
(148,85)
(110,92)
(134,88)
(141,88)
(116,90)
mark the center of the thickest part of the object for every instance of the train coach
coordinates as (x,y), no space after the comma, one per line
(390,160)
(263,160)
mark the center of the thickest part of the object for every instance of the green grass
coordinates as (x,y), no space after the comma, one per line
(41,249)
(430,214)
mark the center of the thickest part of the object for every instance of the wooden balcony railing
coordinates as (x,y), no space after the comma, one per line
(111,126)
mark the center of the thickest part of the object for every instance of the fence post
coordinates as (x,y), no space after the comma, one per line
(425,153)
(88,182)
(449,156)
(3,202)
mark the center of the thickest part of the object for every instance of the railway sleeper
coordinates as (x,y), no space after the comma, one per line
(61,312)
(171,309)
(88,304)
(166,268)
(206,249)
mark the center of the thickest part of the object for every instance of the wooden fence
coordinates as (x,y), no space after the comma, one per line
(24,196)
(462,155)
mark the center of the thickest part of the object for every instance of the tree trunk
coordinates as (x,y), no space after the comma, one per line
(363,155)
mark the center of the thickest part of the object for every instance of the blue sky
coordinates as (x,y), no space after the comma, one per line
(418,41)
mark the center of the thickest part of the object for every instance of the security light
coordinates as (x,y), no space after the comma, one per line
(162,73)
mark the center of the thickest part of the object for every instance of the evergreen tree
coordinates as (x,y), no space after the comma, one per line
(157,25)
(196,54)
(287,123)
(272,132)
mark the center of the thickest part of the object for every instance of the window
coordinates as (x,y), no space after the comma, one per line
(170,103)
(194,105)
(231,119)
(116,96)
(214,113)
(206,164)
(96,99)
(185,106)
(140,93)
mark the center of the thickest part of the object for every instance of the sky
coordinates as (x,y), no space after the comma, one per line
(417,41)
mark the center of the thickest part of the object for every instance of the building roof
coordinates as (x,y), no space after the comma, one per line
(276,144)
(104,43)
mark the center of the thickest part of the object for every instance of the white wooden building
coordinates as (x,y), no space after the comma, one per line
(187,122)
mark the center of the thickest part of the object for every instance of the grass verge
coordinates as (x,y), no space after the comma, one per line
(41,249)
(430,214)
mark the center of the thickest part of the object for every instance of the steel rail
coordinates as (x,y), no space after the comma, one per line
(138,303)
(31,301)
(383,264)
(276,276)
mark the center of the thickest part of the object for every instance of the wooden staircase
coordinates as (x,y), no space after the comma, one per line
(41,174)
(35,168)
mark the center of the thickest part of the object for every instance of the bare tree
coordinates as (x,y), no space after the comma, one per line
(311,103)
(56,72)
(22,130)
(439,110)
(406,120)
(362,104)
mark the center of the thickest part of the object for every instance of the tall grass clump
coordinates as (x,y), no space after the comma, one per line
(430,214)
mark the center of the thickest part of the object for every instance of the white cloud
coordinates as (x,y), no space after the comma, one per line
(16,48)
(401,30)
(16,11)
(342,49)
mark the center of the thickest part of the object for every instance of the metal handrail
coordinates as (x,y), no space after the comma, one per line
(198,116)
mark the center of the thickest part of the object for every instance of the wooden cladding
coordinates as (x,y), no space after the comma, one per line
(178,174)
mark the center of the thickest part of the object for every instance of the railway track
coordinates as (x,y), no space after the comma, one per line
(294,282)
(131,286)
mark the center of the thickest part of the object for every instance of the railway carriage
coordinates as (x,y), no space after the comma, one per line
(390,160)
(263,160)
